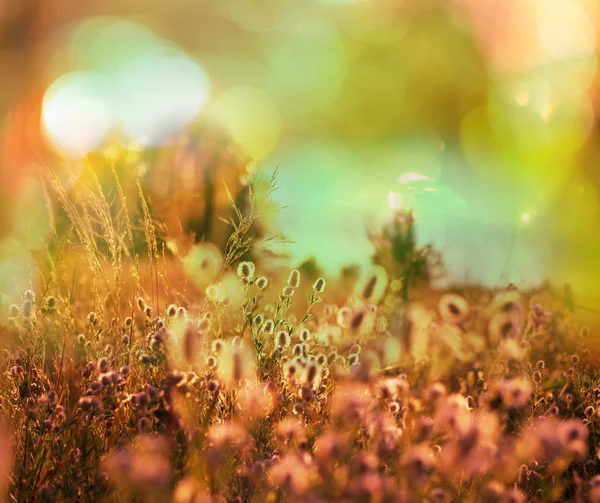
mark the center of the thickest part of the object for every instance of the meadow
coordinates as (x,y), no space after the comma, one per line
(141,367)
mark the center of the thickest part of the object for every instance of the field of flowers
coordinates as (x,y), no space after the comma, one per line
(136,369)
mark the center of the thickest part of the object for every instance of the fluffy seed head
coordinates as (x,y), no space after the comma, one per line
(212,292)
(217,346)
(304,335)
(288,291)
(268,327)
(294,278)
(92,318)
(262,282)
(211,361)
(319,285)
(453,308)
(282,339)
(369,288)
(245,270)
(212,386)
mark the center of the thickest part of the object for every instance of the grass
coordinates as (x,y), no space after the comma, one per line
(128,375)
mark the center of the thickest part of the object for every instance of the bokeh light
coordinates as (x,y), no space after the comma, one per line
(126,81)
(77,113)
(251,117)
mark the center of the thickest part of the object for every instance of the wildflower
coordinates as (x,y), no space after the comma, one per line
(245,271)
(355,349)
(290,370)
(29,295)
(258,320)
(212,292)
(288,291)
(369,287)
(537,377)
(394,407)
(294,279)
(88,403)
(81,339)
(92,319)
(212,386)
(504,325)
(594,496)
(319,285)
(140,303)
(515,393)
(190,343)
(508,300)
(344,316)
(145,359)
(50,302)
(330,445)
(574,435)
(292,474)
(171,310)
(227,434)
(297,351)
(268,326)
(298,409)
(235,365)
(13,310)
(262,282)
(148,311)
(453,308)
(311,373)
(103,365)
(282,339)
(357,320)
(419,462)
(471,403)
(306,393)
(105,380)
(217,346)
(211,361)
(125,371)
(52,397)
(27,308)
(181,313)
(304,335)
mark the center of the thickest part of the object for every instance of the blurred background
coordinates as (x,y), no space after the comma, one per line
(481,116)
